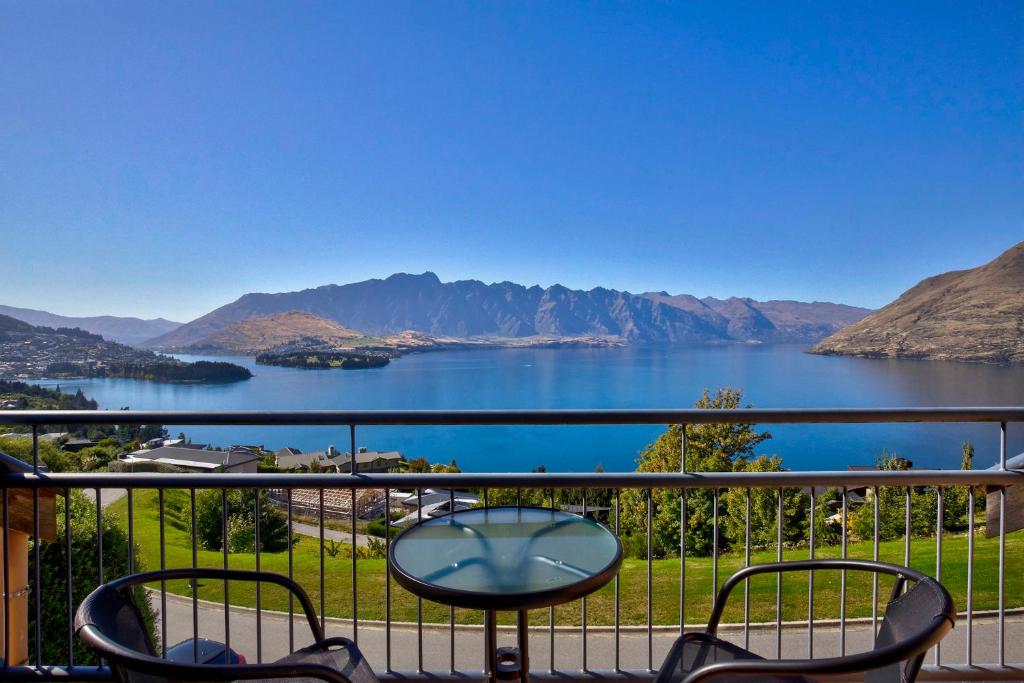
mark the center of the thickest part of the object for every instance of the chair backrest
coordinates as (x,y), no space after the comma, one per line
(905,615)
(114,613)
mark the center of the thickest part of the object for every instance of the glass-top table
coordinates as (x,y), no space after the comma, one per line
(505,558)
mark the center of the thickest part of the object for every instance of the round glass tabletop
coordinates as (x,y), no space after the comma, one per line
(505,558)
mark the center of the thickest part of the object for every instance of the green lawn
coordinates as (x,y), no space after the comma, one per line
(370,577)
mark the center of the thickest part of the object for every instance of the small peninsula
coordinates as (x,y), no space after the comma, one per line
(36,352)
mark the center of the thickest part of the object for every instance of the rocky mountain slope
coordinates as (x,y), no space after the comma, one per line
(472,309)
(124,330)
(970,315)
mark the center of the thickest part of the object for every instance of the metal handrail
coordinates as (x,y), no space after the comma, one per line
(540,480)
(377,418)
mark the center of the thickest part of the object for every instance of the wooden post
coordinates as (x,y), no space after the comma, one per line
(17,565)
(21,526)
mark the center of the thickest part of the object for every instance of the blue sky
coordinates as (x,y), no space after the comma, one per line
(162,159)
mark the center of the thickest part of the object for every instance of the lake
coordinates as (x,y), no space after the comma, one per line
(631,377)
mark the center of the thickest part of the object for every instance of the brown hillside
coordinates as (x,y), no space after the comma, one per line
(970,315)
(262,334)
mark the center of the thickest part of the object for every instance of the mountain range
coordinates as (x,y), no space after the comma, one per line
(123,330)
(970,315)
(470,309)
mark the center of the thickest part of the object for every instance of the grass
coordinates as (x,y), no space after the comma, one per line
(370,578)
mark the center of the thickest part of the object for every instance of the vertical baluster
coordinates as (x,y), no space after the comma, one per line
(68,589)
(323,597)
(163,565)
(451,610)
(131,530)
(259,585)
(969,658)
(7,579)
(387,580)
(551,618)
(938,556)
(714,546)
(583,607)
(842,583)
(419,601)
(352,469)
(618,668)
(907,530)
(224,549)
(1002,549)
(99,537)
(746,583)
(291,575)
(650,594)
(37,588)
(682,532)
(99,556)
(195,582)
(778,583)
(874,575)
(355,590)
(810,580)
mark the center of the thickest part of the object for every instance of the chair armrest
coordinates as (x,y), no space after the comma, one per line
(801,565)
(228,575)
(150,664)
(831,666)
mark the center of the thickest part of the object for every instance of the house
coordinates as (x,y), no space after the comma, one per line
(292,458)
(368,461)
(1014,502)
(195,460)
(435,502)
(76,445)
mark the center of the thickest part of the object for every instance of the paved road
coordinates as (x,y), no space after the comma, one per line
(332,534)
(568,654)
(107,496)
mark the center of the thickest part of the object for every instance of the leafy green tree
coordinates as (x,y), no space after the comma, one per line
(709,448)
(241,522)
(764,508)
(84,577)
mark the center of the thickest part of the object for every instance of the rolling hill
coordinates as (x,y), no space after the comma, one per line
(257,335)
(123,330)
(968,315)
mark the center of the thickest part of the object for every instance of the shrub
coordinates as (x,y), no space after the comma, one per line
(84,576)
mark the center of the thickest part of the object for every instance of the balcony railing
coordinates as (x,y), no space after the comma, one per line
(602,646)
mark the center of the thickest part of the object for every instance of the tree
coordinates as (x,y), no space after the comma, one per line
(955,499)
(241,522)
(709,448)
(84,576)
(764,508)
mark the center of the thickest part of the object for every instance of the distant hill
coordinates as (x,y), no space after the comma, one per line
(470,309)
(969,315)
(766,321)
(257,335)
(124,330)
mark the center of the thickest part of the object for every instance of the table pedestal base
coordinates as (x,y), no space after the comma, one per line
(506,663)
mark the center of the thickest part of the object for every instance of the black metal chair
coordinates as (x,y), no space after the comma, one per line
(110,623)
(915,618)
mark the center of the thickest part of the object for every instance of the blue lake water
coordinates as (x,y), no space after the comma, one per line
(634,377)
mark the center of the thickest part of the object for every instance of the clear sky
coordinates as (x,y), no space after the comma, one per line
(162,159)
